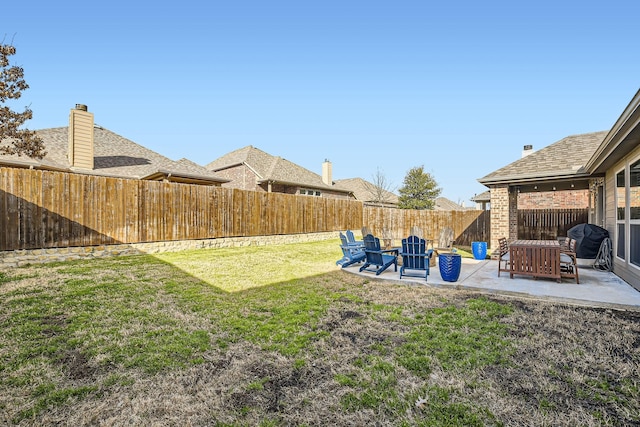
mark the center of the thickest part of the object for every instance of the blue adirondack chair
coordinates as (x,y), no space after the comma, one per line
(346,242)
(352,239)
(380,258)
(415,256)
(350,254)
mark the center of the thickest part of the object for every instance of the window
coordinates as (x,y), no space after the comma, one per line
(620,195)
(634,191)
(304,191)
(628,213)
(620,213)
(634,213)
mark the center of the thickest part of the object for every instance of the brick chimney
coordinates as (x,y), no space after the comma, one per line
(81,137)
(526,150)
(327,177)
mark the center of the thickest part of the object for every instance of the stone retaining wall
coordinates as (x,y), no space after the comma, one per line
(39,256)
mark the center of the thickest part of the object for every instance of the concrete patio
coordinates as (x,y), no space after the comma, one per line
(596,288)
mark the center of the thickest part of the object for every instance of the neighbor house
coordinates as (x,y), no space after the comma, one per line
(605,164)
(368,193)
(86,148)
(482,200)
(250,168)
(444,204)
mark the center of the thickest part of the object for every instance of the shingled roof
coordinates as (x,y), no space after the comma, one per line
(444,204)
(562,159)
(365,191)
(114,156)
(271,168)
(485,196)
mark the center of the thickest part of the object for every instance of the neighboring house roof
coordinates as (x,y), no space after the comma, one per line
(444,204)
(114,156)
(563,159)
(485,196)
(366,192)
(270,168)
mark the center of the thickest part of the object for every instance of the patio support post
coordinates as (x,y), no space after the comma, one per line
(513,214)
(500,214)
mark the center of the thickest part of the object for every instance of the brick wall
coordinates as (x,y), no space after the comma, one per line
(244,179)
(499,214)
(576,199)
(241,177)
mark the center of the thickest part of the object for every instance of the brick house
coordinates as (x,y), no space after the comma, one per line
(605,165)
(86,148)
(576,199)
(250,168)
(557,168)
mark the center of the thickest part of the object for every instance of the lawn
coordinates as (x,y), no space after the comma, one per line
(278,335)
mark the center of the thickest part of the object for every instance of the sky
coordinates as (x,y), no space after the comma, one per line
(376,87)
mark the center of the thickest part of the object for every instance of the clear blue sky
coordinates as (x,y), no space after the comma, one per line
(457,86)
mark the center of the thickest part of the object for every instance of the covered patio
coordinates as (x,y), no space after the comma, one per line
(602,166)
(596,289)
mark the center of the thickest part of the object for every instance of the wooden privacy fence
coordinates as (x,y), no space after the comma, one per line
(43,209)
(549,224)
(468,225)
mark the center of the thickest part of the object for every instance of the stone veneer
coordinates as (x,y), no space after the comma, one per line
(38,256)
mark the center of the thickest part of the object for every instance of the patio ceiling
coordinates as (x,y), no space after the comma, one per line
(552,185)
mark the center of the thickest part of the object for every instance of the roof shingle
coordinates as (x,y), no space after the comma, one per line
(564,158)
(114,156)
(365,191)
(271,168)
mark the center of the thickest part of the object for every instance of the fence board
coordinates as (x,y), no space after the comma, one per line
(12,226)
(56,209)
(549,224)
(3,209)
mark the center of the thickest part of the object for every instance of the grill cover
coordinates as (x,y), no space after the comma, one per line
(588,239)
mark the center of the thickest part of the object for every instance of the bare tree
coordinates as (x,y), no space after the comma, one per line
(380,188)
(12,84)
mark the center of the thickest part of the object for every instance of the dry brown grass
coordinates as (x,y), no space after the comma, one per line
(567,365)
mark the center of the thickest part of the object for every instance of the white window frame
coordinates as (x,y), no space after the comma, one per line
(626,213)
(630,221)
(627,222)
(307,192)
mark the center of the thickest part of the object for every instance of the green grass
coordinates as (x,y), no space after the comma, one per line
(290,335)
(126,313)
(458,337)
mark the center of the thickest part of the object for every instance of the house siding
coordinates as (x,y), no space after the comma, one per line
(627,271)
(81,139)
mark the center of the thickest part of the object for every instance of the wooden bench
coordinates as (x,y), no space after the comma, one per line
(536,258)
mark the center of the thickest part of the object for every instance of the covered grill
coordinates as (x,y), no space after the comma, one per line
(588,238)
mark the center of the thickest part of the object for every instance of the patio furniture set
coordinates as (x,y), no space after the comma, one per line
(539,258)
(551,259)
(414,252)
